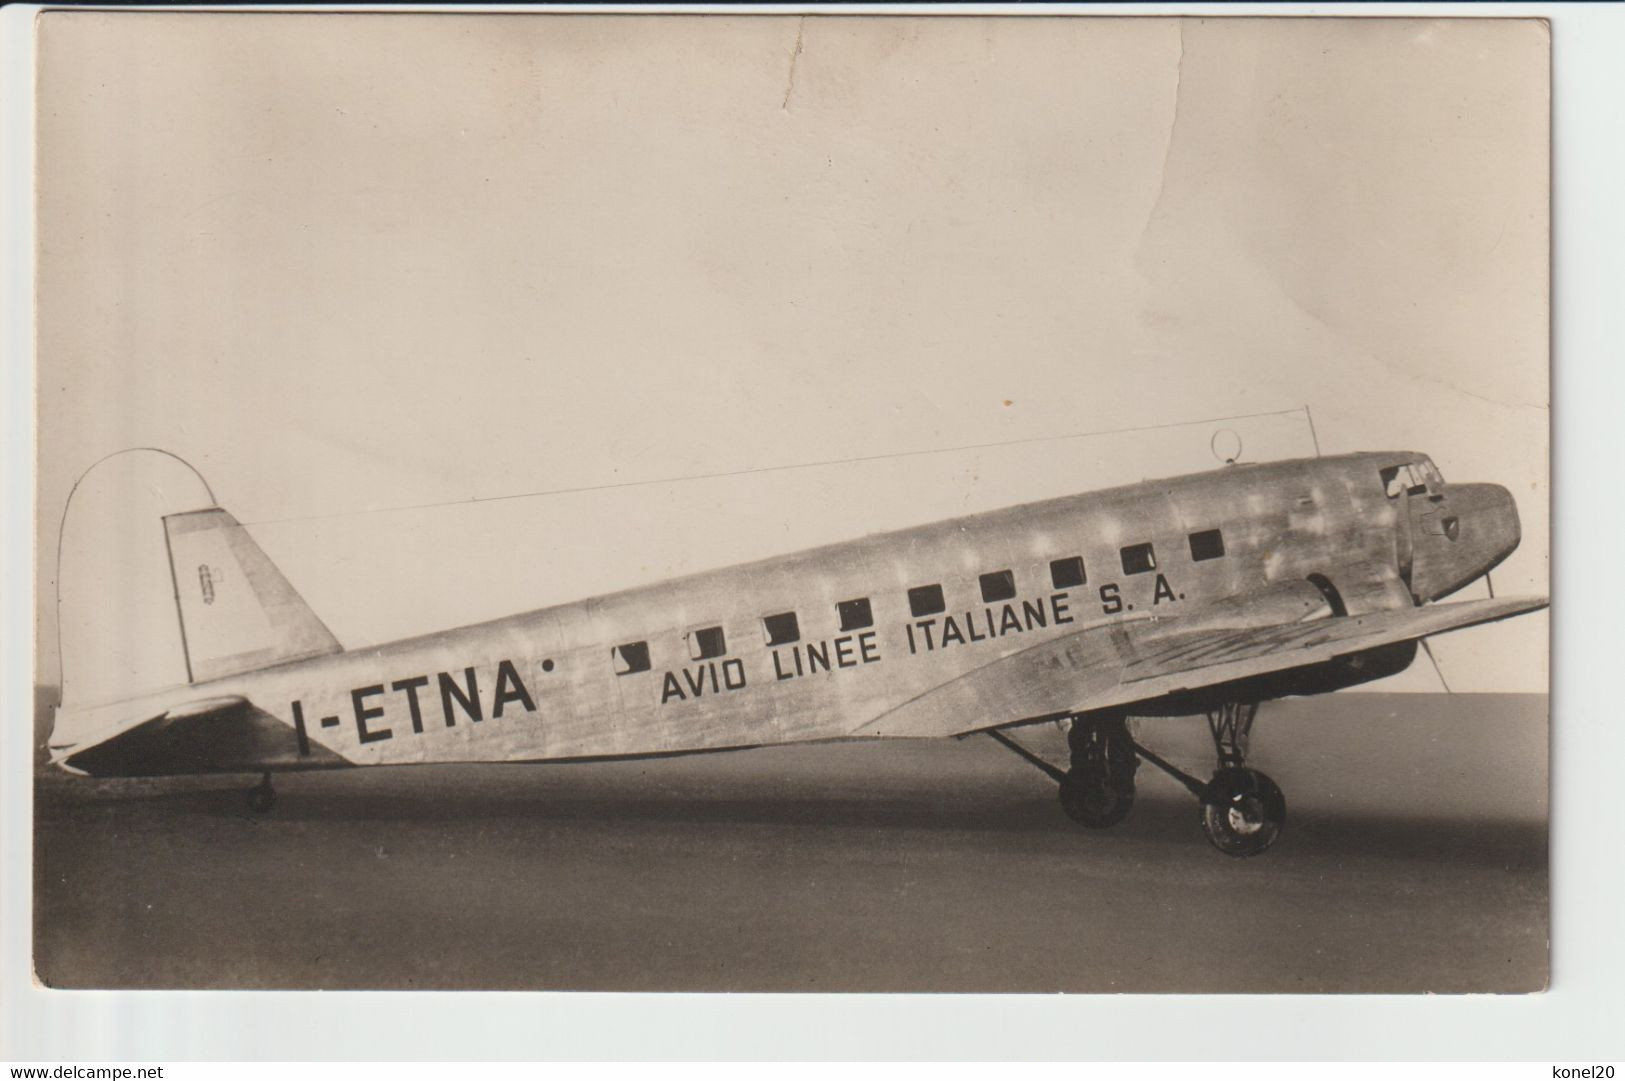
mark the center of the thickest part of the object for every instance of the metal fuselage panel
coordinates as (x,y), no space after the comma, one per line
(545,684)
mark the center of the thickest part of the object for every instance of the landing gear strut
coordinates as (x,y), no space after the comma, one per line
(1243,810)
(262,797)
(1098,791)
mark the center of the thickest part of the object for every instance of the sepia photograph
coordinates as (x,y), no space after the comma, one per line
(792,503)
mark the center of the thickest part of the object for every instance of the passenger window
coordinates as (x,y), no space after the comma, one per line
(998,586)
(782,629)
(855,614)
(1208,544)
(1067,573)
(630,658)
(926,600)
(705,643)
(1139,558)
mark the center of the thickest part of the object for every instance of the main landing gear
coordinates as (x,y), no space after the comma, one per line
(1242,809)
(1098,791)
(262,797)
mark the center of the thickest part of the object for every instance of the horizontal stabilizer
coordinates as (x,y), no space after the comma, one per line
(216,735)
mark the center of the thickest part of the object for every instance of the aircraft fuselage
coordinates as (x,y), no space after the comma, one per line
(823,643)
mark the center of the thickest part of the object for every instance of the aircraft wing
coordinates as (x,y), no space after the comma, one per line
(1121,663)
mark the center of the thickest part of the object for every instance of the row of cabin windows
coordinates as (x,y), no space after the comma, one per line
(784,628)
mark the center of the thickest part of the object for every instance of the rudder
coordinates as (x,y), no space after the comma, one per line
(237,612)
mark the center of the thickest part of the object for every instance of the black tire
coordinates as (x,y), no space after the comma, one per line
(1243,811)
(261,799)
(1093,799)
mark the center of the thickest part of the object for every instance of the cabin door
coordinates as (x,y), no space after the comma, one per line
(1423,513)
(1402,489)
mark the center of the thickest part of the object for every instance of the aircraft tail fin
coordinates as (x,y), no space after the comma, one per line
(158,589)
(237,612)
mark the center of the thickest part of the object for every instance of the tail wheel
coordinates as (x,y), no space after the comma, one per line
(1243,811)
(262,797)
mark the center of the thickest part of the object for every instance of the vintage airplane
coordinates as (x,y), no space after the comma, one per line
(1207,593)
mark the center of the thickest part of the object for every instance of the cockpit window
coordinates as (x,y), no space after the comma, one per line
(1412,478)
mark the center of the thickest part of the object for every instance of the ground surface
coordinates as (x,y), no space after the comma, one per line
(1414,860)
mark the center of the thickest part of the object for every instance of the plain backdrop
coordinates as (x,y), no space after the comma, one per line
(344,263)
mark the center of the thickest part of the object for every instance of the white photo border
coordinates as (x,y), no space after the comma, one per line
(1577,1019)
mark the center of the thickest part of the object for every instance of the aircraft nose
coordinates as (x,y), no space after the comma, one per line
(1462,533)
(1489,512)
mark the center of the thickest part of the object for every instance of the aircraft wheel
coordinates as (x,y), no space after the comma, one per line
(261,798)
(1090,797)
(1243,811)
